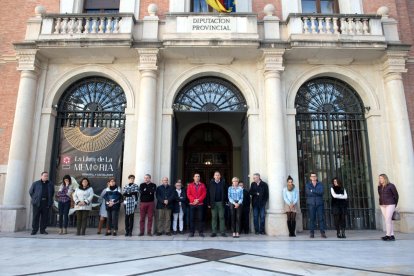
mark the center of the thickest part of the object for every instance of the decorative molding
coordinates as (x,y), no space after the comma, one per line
(273,60)
(27,60)
(394,62)
(148,59)
(8,58)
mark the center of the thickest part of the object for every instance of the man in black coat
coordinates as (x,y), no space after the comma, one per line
(259,191)
(245,218)
(216,200)
(165,202)
(41,192)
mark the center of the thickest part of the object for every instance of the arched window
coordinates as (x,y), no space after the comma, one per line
(93,102)
(210,95)
(331,133)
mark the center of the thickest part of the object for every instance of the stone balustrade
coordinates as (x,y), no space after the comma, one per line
(338,24)
(87,24)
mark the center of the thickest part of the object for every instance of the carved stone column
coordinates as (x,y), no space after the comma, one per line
(275,141)
(13,212)
(398,127)
(145,153)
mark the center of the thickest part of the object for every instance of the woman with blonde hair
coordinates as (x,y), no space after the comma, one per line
(388,200)
(235,195)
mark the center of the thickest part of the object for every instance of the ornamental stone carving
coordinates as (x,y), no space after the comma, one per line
(27,60)
(148,59)
(273,60)
(393,63)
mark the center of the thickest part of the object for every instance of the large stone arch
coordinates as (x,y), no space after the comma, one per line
(351,77)
(223,72)
(72,75)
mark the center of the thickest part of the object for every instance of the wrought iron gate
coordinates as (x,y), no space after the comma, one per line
(332,141)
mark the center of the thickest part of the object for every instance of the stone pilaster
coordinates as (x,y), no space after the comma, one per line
(275,140)
(399,134)
(13,212)
(145,154)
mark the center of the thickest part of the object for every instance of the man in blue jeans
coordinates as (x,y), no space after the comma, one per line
(314,201)
(260,195)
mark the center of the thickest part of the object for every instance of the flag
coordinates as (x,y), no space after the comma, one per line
(230,5)
(218,5)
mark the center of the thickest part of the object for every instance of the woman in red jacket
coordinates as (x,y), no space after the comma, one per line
(388,200)
(196,193)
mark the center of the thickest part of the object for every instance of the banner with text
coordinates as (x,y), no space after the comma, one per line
(93,152)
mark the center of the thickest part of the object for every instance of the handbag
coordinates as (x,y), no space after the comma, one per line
(396,215)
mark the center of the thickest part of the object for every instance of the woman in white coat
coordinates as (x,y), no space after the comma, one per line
(83,205)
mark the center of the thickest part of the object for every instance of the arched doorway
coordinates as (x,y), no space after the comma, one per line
(89,133)
(331,133)
(208,148)
(209,130)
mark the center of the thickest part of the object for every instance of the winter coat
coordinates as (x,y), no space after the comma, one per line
(35,192)
(314,195)
(113,195)
(388,194)
(259,201)
(165,193)
(83,194)
(179,198)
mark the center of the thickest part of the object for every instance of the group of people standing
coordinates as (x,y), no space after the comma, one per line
(192,201)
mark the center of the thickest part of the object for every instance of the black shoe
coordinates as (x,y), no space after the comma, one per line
(33,233)
(201,234)
(339,236)
(213,235)
(385,238)
(127,234)
(312,235)
(114,233)
(107,233)
(392,238)
(224,235)
(174,232)
(141,234)
(168,233)
(262,233)
(149,234)
(44,232)
(181,232)
(130,234)
(159,234)
(191,235)
(323,235)
(257,233)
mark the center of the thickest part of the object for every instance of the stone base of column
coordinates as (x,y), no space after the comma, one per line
(12,218)
(276,224)
(406,224)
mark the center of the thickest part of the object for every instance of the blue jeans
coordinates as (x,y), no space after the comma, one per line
(200,6)
(256,212)
(64,214)
(313,211)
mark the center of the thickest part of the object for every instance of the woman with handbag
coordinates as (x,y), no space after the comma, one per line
(388,200)
(339,207)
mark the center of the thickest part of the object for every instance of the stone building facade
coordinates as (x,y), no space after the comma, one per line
(277,87)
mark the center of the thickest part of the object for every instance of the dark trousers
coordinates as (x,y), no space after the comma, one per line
(164,220)
(146,208)
(40,213)
(81,221)
(340,222)
(235,218)
(259,212)
(129,223)
(113,215)
(316,211)
(245,220)
(196,218)
(64,214)
(217,210)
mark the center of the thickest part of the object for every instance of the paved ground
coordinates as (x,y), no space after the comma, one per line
(362,253)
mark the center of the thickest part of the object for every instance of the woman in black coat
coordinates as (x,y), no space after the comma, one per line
(339,207)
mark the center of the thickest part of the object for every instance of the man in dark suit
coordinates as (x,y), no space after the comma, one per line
(260,195)
(216,199)
(41,192)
